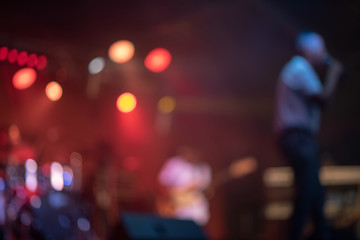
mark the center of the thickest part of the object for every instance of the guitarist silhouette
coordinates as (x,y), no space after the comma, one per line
(186,184)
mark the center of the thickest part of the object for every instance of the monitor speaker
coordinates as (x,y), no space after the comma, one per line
(136,226)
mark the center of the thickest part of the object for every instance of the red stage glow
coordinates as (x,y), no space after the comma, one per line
(3,53)
(158,60)
(53,91)
(41,62)
(32,60)
(126,102)
(131,163)
(22,58)
(12,55)
(24,78)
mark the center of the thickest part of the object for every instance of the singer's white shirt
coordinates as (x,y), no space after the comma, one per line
(297,82)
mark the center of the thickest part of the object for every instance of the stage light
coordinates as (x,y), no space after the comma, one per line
(41,62)
(35,201)
(126,102)
(158,60)
(31,166)
(83,224)
(2,185)
(24,78)
(25,218)
(53,91)
(57,181)
(64,221)
(96,65)
(32,60)
(68,176)
(30,175)
(31,182)
(11,213)
(12,55)
(22,58)
(166,104)
(3,53)
(121,51)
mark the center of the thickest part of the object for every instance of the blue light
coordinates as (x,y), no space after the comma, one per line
(67,178)
(2,184)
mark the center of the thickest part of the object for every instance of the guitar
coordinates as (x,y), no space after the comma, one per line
(169,201)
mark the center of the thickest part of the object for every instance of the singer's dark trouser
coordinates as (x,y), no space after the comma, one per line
(301,151)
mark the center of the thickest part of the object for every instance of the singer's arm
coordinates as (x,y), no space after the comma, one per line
(332,78)
(333,75)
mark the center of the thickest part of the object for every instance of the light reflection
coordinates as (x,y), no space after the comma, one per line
(30,175)
(35,201)
(83,224)
(31,166)
(25,218)
(31,182)
(2,184)
(68,176)
(57,181)
(64,221)
(96,65)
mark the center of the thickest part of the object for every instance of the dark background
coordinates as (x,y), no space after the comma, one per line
(226,57)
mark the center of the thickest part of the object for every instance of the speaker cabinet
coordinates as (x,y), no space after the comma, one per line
(136,226)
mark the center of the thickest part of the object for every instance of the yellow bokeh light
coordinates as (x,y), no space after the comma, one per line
(166,104)
(126,102)
(121,51)
(53,91)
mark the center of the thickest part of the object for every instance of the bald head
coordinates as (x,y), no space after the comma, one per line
(312,46)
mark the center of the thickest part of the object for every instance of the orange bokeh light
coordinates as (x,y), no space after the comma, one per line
(24,78)
(53,91)
(121,51)
(158,60)
(126,102)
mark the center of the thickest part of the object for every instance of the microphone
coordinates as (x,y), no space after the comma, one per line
(343,76)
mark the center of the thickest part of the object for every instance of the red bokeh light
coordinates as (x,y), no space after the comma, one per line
(24,78)
(41,62)
(12,55)
(126,102)
(22,58)
(3,53)
(158,60)
(32,60)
